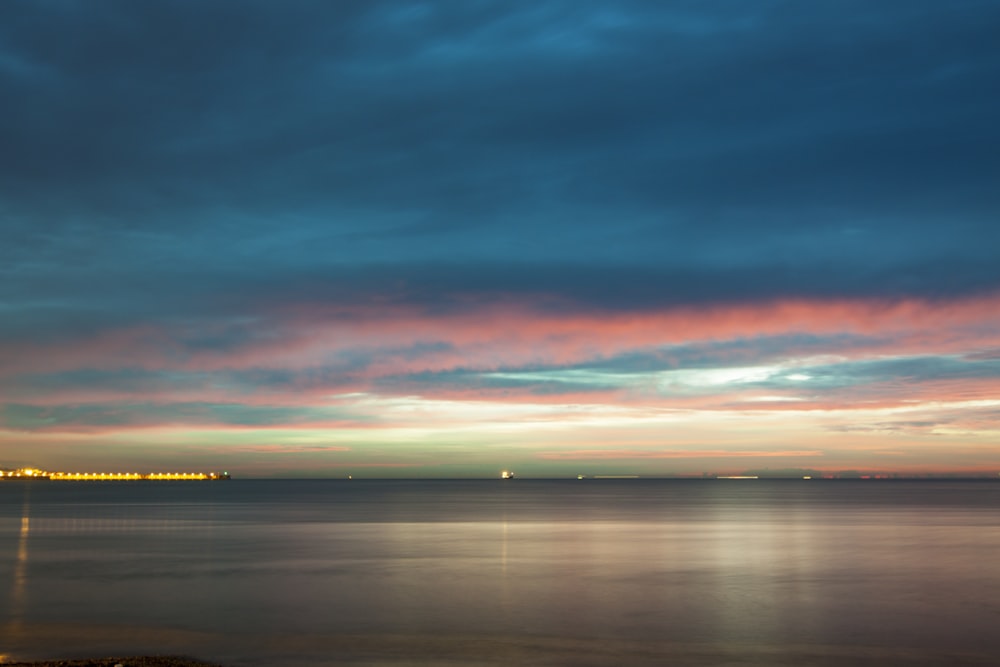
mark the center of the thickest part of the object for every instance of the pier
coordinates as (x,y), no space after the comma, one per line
(35,473)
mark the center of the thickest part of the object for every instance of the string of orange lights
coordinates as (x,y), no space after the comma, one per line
(35,473)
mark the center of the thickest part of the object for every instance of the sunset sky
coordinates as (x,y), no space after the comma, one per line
(405,239)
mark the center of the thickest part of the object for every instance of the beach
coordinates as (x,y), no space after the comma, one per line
(428,652)
(131,661)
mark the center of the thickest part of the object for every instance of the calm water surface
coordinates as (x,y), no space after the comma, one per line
(591,572)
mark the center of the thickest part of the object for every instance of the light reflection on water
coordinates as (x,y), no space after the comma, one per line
(288,572)
(19,577)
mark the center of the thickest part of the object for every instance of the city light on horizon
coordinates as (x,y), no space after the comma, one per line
(538,241)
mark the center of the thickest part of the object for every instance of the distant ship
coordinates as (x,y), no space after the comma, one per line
(506,474)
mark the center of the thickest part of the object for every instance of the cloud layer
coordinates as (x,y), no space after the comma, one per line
(447,238)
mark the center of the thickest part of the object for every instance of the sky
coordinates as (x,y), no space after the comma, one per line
(441,239)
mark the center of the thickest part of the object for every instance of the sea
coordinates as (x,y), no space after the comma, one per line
(515,572)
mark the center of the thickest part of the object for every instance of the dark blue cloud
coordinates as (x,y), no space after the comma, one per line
(181,159)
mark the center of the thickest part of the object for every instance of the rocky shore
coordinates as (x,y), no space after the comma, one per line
(132,661)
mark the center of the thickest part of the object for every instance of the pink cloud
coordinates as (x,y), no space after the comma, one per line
(506,335)
(493,337)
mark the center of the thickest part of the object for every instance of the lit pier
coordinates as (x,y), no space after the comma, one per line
(35,473)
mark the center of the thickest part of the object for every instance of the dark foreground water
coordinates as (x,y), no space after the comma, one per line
(524,572)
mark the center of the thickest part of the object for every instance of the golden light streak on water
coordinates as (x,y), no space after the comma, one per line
(503,550)
(20,579)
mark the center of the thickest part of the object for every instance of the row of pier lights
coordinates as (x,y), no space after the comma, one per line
(131,475)
(29,473)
